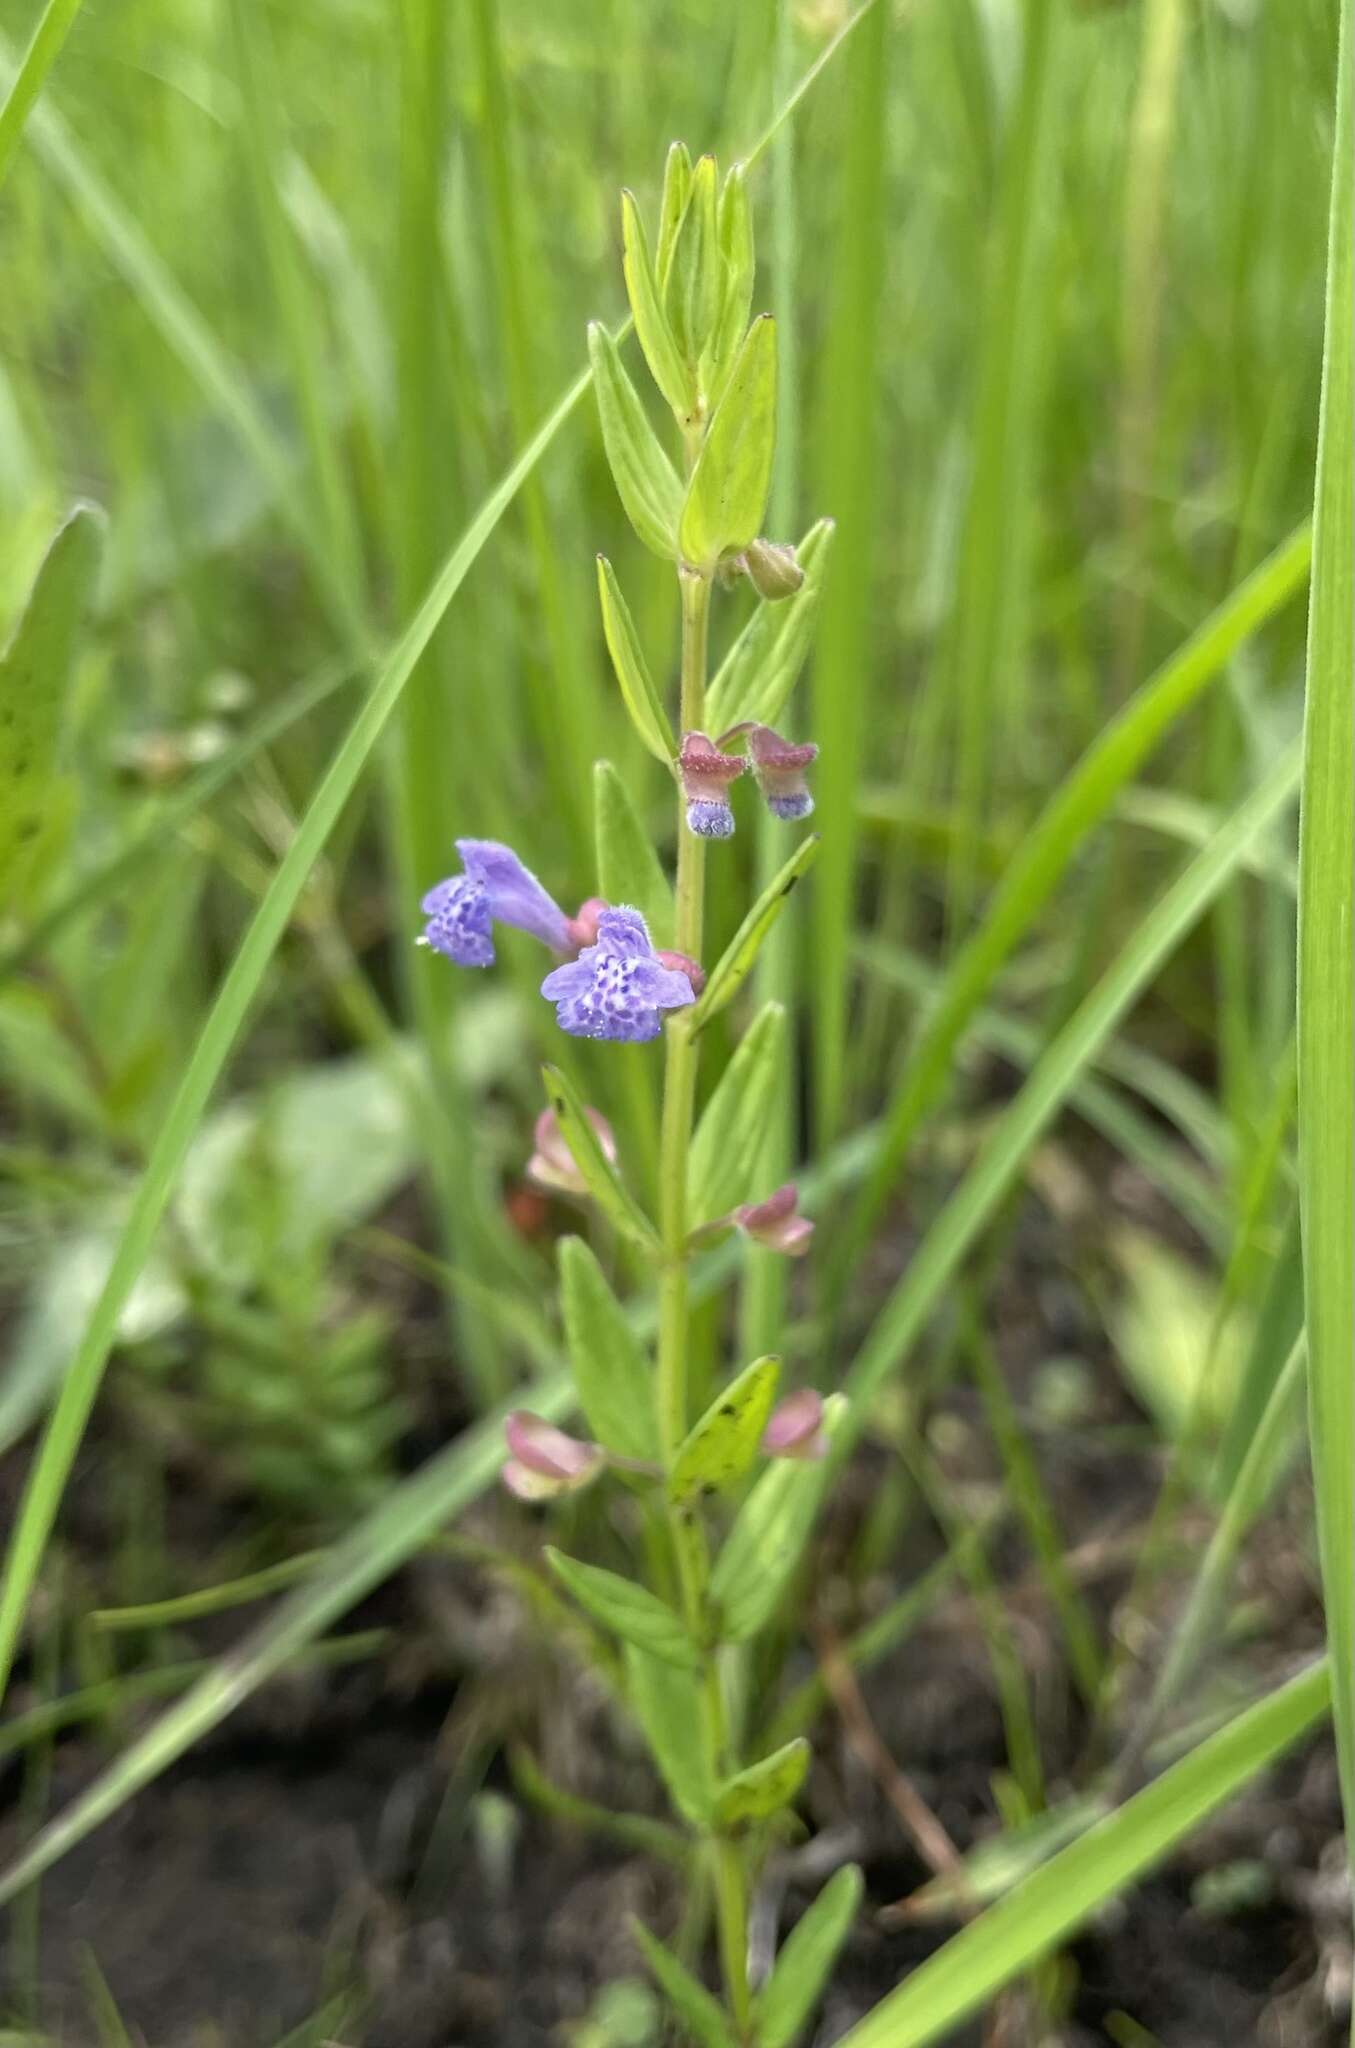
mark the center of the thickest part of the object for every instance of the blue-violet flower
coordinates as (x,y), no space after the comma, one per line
(616,988)
(780,771)
(495,888)
(706,774)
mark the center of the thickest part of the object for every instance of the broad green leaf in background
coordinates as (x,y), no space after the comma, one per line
(642,699)
(689,1999)
(627,1608)
(806,1960)
(727,495)
(628,867)
(611,1373)
(605,1184)
(36,799)
(666,364)
(646,482)
(760,670)
(1162,1324)
(964,1976)
(762,1550)
(735,964)
(666,1701)
(763,1788)
(724,1443)
(729,1138)
(1326,996)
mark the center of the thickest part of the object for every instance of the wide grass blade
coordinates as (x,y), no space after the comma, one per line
(1065,1892)
(1326,1008)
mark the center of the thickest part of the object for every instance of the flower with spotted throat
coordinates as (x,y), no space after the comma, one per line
(617,988)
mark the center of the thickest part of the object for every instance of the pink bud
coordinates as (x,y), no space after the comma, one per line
(694,971)
(582,929)
(544,1460)
(552,1164)
(774,1223)
(795,1428)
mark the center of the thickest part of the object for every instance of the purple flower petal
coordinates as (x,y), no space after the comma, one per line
(616,988)
(495,888)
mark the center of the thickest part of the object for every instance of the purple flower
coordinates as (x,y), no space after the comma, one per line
(616,988)
(706,775)
(495,888)
(780,771)
(795,1427)
(545,1462)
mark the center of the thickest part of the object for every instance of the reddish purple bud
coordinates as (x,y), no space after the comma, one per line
(780,771)
(795,1427)
(545,1462)
(552,1164)
(706,774)
(582,929)
(775,1224)
(684,964)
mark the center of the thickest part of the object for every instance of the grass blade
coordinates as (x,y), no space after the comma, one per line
(1061,1895)
(1326,1010)
(38,59)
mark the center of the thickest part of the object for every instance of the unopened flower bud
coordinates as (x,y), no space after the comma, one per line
(773,569)
(582,929)
(706,775)
(682,963)
(780,771)
(775,1224)
(552,1164)
(545,1462)
(795,1427)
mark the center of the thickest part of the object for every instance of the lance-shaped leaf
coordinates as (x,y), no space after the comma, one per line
(759,672)
(606,1358)
(723,1444)
(645,479)
(701,2017)
(763,1548)
(677,185)
(733,967)
(691,293)
(764,1787)
(666,365)
(36,801)
(666,1701)
(737,263)
(802,1969)
(731,1135)
(727,495)
(605,1184)
(628,1610)
(641,698)
(627,865)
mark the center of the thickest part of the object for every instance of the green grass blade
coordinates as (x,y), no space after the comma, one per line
(1326,1012)
(37,60)
(1060,1896)
(993,1173)
(1044,855)
(413,1513)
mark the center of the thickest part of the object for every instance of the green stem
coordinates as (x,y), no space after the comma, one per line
(679,1101)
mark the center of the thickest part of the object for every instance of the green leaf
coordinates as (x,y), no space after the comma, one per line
(691,2001)
(759,672)
(735,963)
(42,52)
(966,1974)
(764,1787)
(692,286)
(666,1701)
(727,495)
(628,867)
(629,1610)
(604,1182)
(666,365)
(645,479)
(611,1372)
(723,1444)
(36,803)
(731,1135)
(677,185)
(771,1529)
(737,265)
(642,700)
(1326,991)
(802,1969)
